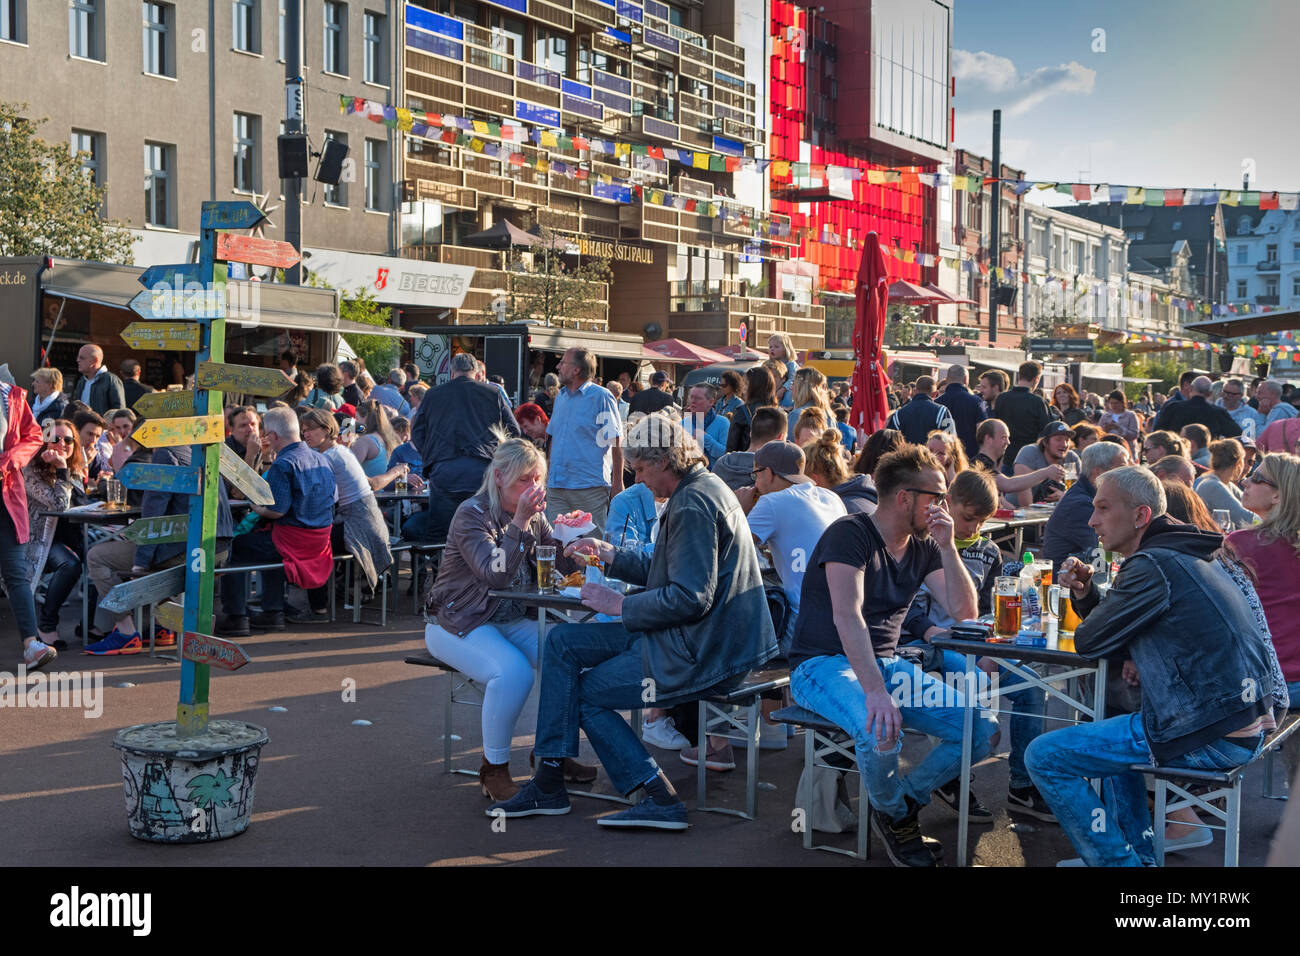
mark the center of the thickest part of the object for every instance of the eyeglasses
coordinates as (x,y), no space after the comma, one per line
(939,496)
(753,475)
(1256,480)
(65,440)
(1229,394)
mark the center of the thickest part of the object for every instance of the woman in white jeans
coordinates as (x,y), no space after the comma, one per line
(491,545)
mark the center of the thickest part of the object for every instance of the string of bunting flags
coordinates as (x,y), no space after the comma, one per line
(1252,351)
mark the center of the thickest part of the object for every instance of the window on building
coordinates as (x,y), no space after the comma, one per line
(1241,254)
(247,159)
(1270,286)
(85,30)
(1077,264)
(159,26)
(1295,285)
(91,146)
(1243,226)
(282,30)
(1038,239)
(159,183)
(551,52)
(336,38)
(1270,252)
(376,65)
(244,34)
(376,157)
(337,195)
(13,20)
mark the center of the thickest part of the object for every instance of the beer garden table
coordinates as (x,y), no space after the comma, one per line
(397,497)
(1015,658)
(1002,529)
(86,515)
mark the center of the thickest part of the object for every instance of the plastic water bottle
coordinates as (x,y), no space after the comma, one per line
(1031,606)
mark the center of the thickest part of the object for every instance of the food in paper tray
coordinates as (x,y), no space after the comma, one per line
(575,580)
(574,525)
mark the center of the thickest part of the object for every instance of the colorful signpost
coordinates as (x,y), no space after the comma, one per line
(175,479)
(165,529)
(235,470)
(212,651)
(230,215)
(170,615)
(242,378)
(232,247)
(172,404)
(162,336)
(197,303)
(149,589)
(168,432)
(175,276)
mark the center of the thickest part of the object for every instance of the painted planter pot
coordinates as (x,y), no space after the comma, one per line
(189,790)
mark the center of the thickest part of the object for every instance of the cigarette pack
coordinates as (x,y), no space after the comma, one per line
(1031,639)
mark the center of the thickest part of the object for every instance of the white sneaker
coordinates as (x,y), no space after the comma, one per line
(1073,861)
(663,733)
(38,654)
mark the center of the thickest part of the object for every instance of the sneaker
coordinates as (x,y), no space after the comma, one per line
(574,772)
(1073,861)
(297,615)
(530,801)
(723,758)
(117,643)
(37,654)
(163,637)
(229,626)
(976,812)
(1029,801)
(1201,836)
(663,733)
(267,620)
(772,736)
(650,816)
(903,841)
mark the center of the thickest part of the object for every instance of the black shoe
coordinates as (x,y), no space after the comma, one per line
(903,841)
(228,626)
(267,620)
(976,812)
(1029,801)
(297,615)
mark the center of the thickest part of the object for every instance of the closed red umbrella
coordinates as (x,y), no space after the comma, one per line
(870,403)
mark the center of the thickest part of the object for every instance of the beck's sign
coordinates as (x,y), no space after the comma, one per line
(391,280)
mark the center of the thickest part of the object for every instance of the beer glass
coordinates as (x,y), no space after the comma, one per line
(545,568)
(1223,518)
(1006,606)
(114,495)
(1071,474)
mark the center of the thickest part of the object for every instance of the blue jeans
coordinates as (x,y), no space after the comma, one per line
(18,584)
(430,526)
(256,547)
(1113,829)
(828,686)
(1293,688)
(65,569)
(1026,723)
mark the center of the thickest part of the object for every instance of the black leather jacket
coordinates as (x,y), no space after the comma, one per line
(704,612)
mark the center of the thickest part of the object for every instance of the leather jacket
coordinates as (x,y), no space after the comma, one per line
(704,611)
(1205,663)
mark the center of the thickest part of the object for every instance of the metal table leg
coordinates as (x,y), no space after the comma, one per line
(967,733)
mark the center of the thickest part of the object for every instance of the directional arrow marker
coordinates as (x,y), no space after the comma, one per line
(235,470)
(176,276)
(166,432)
(216,651)
(171,404)
(230,214)
(175,479)
(197,304)
(242,378)
(233,247)
(162,336)
(166,529)
(170,615)
(149,589)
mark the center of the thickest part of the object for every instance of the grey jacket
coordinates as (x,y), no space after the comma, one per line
(704,611)
(106,394)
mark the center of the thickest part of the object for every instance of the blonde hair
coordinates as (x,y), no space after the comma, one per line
(957,460)
(810,388)
(50,376)
(814,417)
(513,457)
(786,345)
(824,458)
(1283,522)
(320,418)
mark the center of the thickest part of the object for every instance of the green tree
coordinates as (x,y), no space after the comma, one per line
(900,330)
(49,206)
(544,288)
(381,353)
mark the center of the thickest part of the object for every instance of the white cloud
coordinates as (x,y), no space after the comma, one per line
(988,81)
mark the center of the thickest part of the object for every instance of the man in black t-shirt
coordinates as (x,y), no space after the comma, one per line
(652,399)
(862,577)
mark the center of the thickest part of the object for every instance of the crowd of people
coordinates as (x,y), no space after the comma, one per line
(757,526)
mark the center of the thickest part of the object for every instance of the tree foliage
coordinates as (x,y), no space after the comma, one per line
(381,353)
(48,205)
(544,288)
(900,331)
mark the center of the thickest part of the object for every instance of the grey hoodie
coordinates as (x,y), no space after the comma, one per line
(735,468)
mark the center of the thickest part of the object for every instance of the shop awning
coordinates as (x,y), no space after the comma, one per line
(269,304)
(1242,325)
(604,344)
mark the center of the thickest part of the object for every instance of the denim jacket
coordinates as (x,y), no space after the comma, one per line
(1204,662)
(632,519)
(705,619)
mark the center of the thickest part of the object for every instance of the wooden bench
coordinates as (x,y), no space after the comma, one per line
(1222,784)
(715,712)
(456,684)
(821,739)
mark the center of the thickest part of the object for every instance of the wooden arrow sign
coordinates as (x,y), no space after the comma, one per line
(176,276)
(170,615)
(172,404)
(233,247)
(235,470)
(149,589)
(242,378)
(230,214)
(216,651)
(166,529)
(174,479)
(166,432)
(162,336)
(198,304)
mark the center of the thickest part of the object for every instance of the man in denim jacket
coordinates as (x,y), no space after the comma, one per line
(686,636)
(1203,661)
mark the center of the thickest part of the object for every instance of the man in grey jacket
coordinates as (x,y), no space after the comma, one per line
(684,637)
(96,386)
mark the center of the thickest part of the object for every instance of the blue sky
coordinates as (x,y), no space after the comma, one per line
(1184,92)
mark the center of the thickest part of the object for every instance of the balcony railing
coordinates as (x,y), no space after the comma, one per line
(1270,299)
(1268,265)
